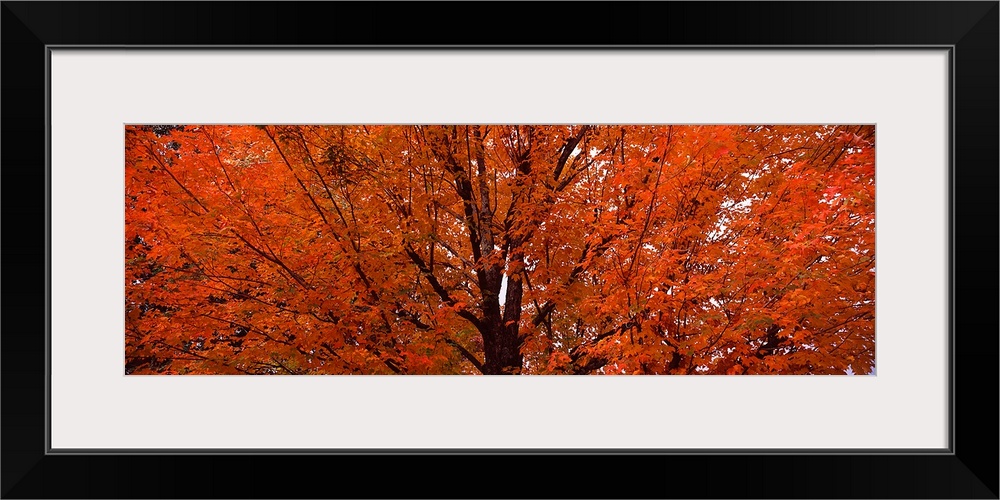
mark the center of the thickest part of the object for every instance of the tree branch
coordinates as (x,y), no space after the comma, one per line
(567,150)
(468,355)
(440,290)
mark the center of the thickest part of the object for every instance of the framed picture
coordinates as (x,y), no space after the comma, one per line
(101,401)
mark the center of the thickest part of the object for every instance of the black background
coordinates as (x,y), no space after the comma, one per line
(971,472)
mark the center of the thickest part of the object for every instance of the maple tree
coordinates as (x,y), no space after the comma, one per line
(500,249)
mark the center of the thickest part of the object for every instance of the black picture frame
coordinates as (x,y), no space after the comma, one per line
(969,469)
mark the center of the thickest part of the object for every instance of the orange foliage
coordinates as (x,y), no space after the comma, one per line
(500,249)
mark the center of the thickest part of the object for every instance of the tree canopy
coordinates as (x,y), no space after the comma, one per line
(500,249)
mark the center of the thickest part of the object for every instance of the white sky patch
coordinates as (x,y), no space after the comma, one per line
(503,290)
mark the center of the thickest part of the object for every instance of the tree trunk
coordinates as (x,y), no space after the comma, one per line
(503,355)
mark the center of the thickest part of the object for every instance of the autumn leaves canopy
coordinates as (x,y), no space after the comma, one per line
(500,249)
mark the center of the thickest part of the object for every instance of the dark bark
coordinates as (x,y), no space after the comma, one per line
(503,343)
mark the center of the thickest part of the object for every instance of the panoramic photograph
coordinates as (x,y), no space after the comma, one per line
(499,249)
